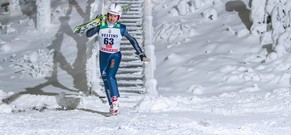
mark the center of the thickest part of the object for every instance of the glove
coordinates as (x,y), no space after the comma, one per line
(99,16)
(143,57)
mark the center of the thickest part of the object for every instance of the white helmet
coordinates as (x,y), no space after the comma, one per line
(115,9)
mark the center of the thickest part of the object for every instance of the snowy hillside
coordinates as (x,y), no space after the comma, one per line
(218,71)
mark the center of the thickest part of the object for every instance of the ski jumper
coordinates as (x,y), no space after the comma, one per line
(109,37)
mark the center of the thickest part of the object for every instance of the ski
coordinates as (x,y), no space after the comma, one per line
(96,22)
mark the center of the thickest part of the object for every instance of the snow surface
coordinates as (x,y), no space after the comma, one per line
(213,76)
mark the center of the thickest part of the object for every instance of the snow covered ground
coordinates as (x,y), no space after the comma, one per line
(214,77)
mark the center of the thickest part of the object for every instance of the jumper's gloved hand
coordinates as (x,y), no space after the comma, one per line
(143,57)
(99,16)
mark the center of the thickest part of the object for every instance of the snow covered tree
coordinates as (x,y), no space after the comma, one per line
(277,15)
(14,7)
(278,20)
(258,16)
(43,14)
(283,44)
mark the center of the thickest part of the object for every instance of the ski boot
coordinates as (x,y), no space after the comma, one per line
(114,106)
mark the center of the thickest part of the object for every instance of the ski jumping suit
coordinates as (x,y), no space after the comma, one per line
(109,37)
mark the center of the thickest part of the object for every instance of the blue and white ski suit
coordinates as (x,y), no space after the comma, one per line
(109,37)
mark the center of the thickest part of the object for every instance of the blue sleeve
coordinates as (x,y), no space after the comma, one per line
(122,29)
(133,42)
(92,31)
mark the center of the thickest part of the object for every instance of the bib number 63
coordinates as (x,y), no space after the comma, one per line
(108,41)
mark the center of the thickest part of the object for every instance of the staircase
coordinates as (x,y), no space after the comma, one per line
(130,76)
